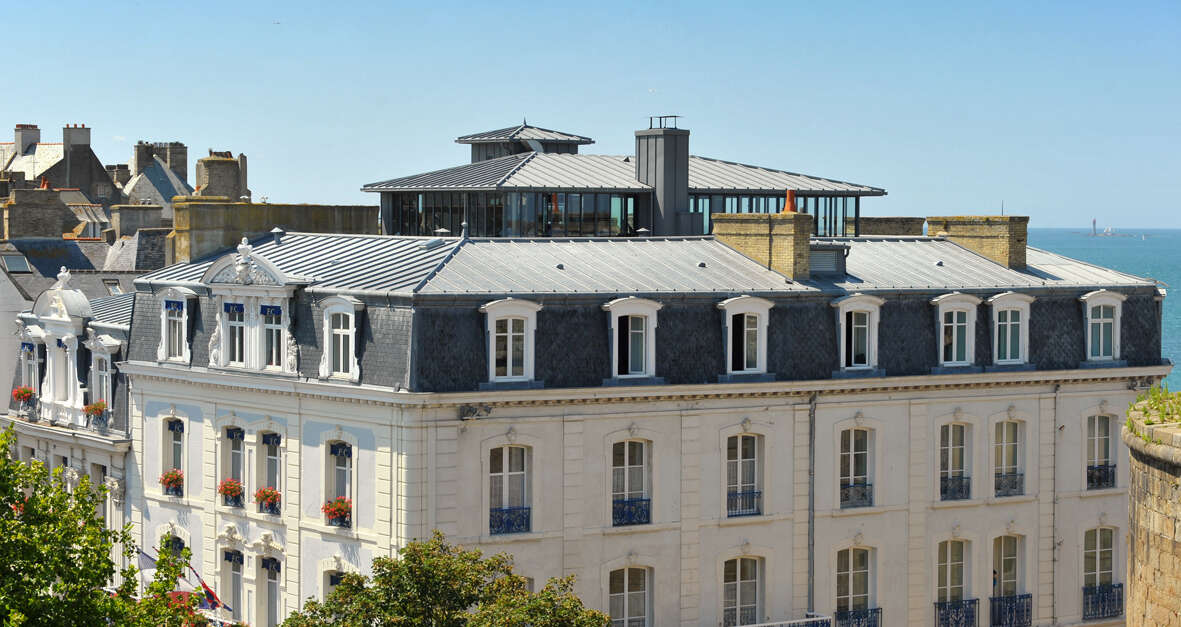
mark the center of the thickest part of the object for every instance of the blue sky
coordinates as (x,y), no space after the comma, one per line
(1062,111)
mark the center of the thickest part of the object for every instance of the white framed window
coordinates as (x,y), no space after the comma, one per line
(1099,557)
(743,475)
(745,333)
(1103,310)
(632,323)
(741,591)
(113,287)
(339,359)
(332,579)
(1006,566)
(174,440)
(273,340)
(16,264)
(631,468)
(855,481)
(629,590)
(952,444)
(857,336)
(233,583)
(31,361)
(174,324)
(235,333)
(949,576)
(957,328)
(340,464)
(1098,440)
(236,461)
(853,579)
(270,450)
(101,379)
(271,568)
(1010,327)
(511,324)
(509,490)
(1007,448)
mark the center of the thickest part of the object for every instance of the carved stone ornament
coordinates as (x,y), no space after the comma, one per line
(746,423)
(1011,411)
(292,352)
(18,328)
(632,557)
(745,546)
(859,419)
(230,537)
(266,545)
(71,476)
(115,490)
(511,434)
(63,279)
(955,530)
(1102,518)
(1011,526)
(632,430)
(958,414)
(1103,405)
(215,343)
(243,262)
(858,539)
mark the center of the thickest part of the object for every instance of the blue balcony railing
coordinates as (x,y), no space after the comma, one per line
(747,503)
(869,617)
(959,613)
(733,616)
(856,495)
(955,488)
(1101,476)
(1009,484)
(1103,601)
(631,512)
(1011,611)
(232,501)
(509,520)
(268,508)
(343,522)
(174,490)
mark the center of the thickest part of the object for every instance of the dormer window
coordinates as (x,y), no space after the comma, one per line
(175,329)
(510,326)
(1010,328)
(272,330)
(339,360)
(633,336)
(957,328)
(745,327)
(1102,310)
(857,338)
(174,324)
(236,333)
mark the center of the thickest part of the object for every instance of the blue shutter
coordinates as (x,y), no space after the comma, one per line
(272,439)
(234,307)
(234,433)
(341,448)
(233,557)
(176,425)
(270,564)
(174,305)
(272,310)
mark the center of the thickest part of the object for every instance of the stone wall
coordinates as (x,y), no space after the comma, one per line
(37,213)
(1002,239)
(1154,551)
(868,225)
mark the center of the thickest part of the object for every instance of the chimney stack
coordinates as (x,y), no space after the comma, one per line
(1002,239)
(662,161)
(75,135)
(26,135)
(176,156)
(776,241)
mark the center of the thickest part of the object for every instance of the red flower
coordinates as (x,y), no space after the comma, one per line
(174,478)
(22,394)
(340,507)
(267,496)
(230,488)
(95,409)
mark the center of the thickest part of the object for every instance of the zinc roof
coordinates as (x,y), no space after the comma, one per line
(113,309)
(523,132)
(546,171)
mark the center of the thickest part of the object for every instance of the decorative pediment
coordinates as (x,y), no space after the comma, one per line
(101,343)
(245,268)
(230,537)
(266,545)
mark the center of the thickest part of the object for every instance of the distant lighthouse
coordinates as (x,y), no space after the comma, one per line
(1093,231)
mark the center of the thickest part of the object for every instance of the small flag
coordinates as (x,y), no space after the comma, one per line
(209,600)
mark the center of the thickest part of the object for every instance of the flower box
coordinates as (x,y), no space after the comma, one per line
(338,511)
(268,500)
(232,490)
(173,482)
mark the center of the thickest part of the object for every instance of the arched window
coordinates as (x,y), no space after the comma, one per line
(857,320)
(855,480)
(633,327)
(173,454)
(1007,580)
(1100,462)
(746,334)
(957,328)
(741,591)
(339,483)
(339,359)
(744,496)
(629,591)
(508,490)
(949,584)
(235,463)
(1103,310)
(101,377)
(270,571)
(1010,328)
(332,579)
(511,324)
(631,502)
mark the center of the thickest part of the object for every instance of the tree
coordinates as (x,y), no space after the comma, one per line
(55,552)
(441,585)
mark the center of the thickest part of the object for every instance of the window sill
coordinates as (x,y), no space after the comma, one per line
(508,538)
(1104,363)
(739,521)
(866,511)
(747,377)
(623,530)
(858,373)
(960,369)
(629,381)
(493,386)
(1011,500)
(1021,367)
(1101,492)
(957,503)
(274,372)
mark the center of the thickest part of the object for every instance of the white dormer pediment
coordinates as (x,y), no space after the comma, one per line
(248,272)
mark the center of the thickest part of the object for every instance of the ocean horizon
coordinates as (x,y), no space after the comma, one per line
(1149,253)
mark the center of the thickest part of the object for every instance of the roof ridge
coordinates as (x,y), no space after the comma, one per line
(439,266)
(809,176)
(529,156)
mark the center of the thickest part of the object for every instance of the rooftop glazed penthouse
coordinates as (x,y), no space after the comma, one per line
(530,181)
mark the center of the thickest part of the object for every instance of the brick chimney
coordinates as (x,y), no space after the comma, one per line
(24,136)
(176,156)
(1002,239)
(777,241)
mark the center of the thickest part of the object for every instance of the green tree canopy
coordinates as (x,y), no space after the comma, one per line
(441,585)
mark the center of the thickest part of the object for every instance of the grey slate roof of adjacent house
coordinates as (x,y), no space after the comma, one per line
(375,264)
(85,260)
(523,132)
(532,171)
(34,162)
(113,309)
(157,184)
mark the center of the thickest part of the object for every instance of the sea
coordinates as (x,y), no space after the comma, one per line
(1150,253)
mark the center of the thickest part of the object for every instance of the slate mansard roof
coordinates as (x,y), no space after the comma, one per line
(545,171)
(453,267)
(113,310)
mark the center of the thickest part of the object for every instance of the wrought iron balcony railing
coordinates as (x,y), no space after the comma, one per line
(1011,611)
(748,503)
(509,520)
(232,501)
(856,495)
(1101,476)
(959,613)
(869,617)
(1009,484)
(955,488)
(174,490)
(1103,601)
(341,521)
(268,508)
(739,616)
(631,512)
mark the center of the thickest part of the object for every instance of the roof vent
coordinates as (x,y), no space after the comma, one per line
(278,234)
(700,264)
(939,263)
(431,244)
(560,266)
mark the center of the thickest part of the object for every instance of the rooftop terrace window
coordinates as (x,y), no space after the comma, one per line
(518,214)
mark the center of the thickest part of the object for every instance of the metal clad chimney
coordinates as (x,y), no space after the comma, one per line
(662,161)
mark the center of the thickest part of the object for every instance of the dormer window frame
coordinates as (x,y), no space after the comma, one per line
(1010,302)
(508,310)
(853,304)
(746,306)
(350,308)
(1102,298)
(955,304)
(251,302)
(175,304)
(626,308)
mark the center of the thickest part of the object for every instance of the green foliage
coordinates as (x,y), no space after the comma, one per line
(56,566)
(1158,402)
(442,585)
(157,607)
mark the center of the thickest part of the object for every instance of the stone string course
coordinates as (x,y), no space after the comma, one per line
(1154,552)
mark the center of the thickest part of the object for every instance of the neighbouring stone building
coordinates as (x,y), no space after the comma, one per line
(1154,547)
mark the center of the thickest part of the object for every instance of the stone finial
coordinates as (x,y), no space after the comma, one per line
(63,279)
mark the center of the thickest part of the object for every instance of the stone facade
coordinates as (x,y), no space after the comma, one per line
(890,226)
(1154,548)
(1002,239)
